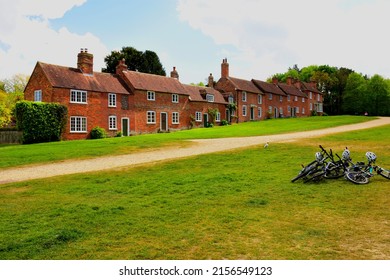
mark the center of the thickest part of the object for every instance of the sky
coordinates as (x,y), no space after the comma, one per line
(259,38)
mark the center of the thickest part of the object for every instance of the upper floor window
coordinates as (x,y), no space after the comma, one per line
(303,99)
(288,97)
(231,99)
(244,96)
(318,97)
(175,98)
(111,100)
(281,98)
(151,95)
(260,99)
(78,96)
(310,95)
(210,97)
(270,96)
(296,98)
(38,95)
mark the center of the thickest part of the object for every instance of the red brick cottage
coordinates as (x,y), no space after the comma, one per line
(128,102)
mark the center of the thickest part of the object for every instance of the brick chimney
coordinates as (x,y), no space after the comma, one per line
(224,68)
(289,81)
(210,81)
(121,66)
(85,62)
(174,74)
(275,80)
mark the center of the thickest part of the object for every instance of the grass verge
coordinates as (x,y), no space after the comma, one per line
(17,155)
(236,205)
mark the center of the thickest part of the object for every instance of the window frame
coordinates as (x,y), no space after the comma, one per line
(151,117)
(112,123)
(260,99)
(244,111)
(210,97)
(150,95)
(244,96)
(175,118)
(198,116)
(78,96)
(175,98)
(79,122)
(38,95)
(112,100)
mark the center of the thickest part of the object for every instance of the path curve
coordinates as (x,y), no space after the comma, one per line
(198,147)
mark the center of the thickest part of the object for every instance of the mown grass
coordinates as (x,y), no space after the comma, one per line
(234,205)
(16,155)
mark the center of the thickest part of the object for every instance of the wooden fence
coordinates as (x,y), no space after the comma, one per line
(10,137)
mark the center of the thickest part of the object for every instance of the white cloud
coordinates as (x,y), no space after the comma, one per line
(271,36)
(27,37)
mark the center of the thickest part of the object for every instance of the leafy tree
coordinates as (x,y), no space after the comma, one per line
(378,98)
(354,101)
(145,62)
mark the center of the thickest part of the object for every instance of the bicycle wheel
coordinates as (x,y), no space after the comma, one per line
(334,172)
(305,171)
(357,178)
(384,173)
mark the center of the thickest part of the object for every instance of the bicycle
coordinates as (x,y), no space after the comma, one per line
(314,170)
(360,173)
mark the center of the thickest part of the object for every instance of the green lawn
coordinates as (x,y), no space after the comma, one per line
(16,155)
(233,205)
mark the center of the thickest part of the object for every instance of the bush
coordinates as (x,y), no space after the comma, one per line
(224,122)
(40,122)
(98,133)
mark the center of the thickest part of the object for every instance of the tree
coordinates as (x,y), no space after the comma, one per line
(145,62)
(378,98)
(354,101)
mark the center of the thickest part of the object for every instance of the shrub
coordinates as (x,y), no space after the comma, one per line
(98,133)
(40,122)
(224,122)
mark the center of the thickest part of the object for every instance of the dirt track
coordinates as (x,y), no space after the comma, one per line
(197,147)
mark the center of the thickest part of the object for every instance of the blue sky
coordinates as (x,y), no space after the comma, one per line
(258,37)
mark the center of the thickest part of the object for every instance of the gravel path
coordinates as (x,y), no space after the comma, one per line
(197,147)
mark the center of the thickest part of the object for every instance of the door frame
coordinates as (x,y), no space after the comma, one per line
(161,121)
(128,126)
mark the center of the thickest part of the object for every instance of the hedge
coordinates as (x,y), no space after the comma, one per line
(40,122)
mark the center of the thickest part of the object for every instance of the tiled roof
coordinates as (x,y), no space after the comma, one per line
(291,90)
(244,85)
(310,87)
(268,87)
(67,77)
(195,93)
(143,81)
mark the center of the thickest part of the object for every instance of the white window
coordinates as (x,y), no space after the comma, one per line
(198,116)
(151,95)
(260,99)
(244,110)
(297,110)
(150,117)
(310,95)
(318,97)
(311,106)
(218,117)
(112,123)
(259,112)
(319,108)
(296,98)
(231,99)
(303,110)
(175,98)
(111,100)
(281,98)
(175,118)
(38,95)
(270,97)
(270,109)
(281,110)
(289,110)
(78,124)
(288,98)
(210,97)
(244,96)
(303,99)
(78,96)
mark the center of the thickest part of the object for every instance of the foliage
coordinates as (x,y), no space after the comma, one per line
(224,122)
(212,113)
(98,133)
(145,62)
(40,122)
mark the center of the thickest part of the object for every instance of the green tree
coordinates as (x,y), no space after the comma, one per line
(378,98)
(145,62)
(354,97)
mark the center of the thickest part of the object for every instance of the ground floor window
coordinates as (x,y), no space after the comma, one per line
(244,110)
(198,116)
(259,112)
(175,118)
(38,95)
(112,123)
(78,124)
(151,117)
(218,117)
